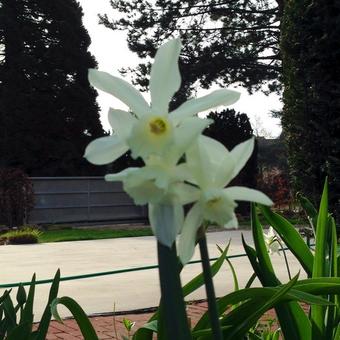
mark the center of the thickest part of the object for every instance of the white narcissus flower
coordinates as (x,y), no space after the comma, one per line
(161,184)
(151,129)
(212,167)
(272,241)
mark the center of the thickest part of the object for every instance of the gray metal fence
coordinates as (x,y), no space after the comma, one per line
(82,199)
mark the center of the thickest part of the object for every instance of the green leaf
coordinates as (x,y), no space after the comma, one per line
(319,285)
(291,238)
(250,281)
(198,281)
(309,209)
(128,324)
(236,284)
(208,332)
(79,315)
(292,318)
(250,319)
(46,317)
(332,311)
(259,295)
(5,295)
(261,250)
(22,332)
(252,257)
(21,295)
(27,313)
(319,269)
(10,319)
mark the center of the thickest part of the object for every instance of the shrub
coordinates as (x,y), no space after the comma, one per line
(22,236)
(16,197)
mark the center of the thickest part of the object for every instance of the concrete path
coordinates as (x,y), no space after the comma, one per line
(127,291)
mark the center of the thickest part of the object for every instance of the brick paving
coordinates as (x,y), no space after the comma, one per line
(107,328)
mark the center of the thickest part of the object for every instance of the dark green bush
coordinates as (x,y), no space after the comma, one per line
(16,197)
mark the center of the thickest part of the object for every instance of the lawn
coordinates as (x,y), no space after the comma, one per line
(90,234)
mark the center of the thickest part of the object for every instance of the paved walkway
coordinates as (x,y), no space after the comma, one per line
(128,291)
(109,327)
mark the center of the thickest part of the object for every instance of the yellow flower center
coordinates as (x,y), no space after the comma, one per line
(158,126)
(213,201)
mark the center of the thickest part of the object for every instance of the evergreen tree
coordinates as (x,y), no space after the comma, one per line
(48,111)
(311,52)
(231,41)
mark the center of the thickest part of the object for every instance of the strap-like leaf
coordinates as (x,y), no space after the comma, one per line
(79,315)
(250,319)
(27,314)
(294,323)
(319,268)
(291,238)
(309,209)
(46,317)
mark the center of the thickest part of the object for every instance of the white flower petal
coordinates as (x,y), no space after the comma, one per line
(246,194)
(166,221)
(165,79)
(121,122)
(204,159)
(120,89)
(105,150)
(217,207)
(241,153)
(185,134)
(233,223)
(185,193)
(187,239)
(214,99)
(119,176)
(143,193)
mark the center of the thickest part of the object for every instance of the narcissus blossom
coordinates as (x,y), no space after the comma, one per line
(272,241)
(151,129)
(212,167)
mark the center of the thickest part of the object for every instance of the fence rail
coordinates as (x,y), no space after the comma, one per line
(82,199)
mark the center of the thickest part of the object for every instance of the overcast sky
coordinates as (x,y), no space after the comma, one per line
(111,51)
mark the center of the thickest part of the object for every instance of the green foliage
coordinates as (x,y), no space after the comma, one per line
(82,320)
(266,149)
(223,41)
(25,235)
(16,318)
(322,268)
(16,197)
(311,72)
(48,112)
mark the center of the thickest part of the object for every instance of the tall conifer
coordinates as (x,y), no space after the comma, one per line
(48,110)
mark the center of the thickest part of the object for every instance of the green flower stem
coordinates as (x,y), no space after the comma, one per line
(209,286)
(173,306)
